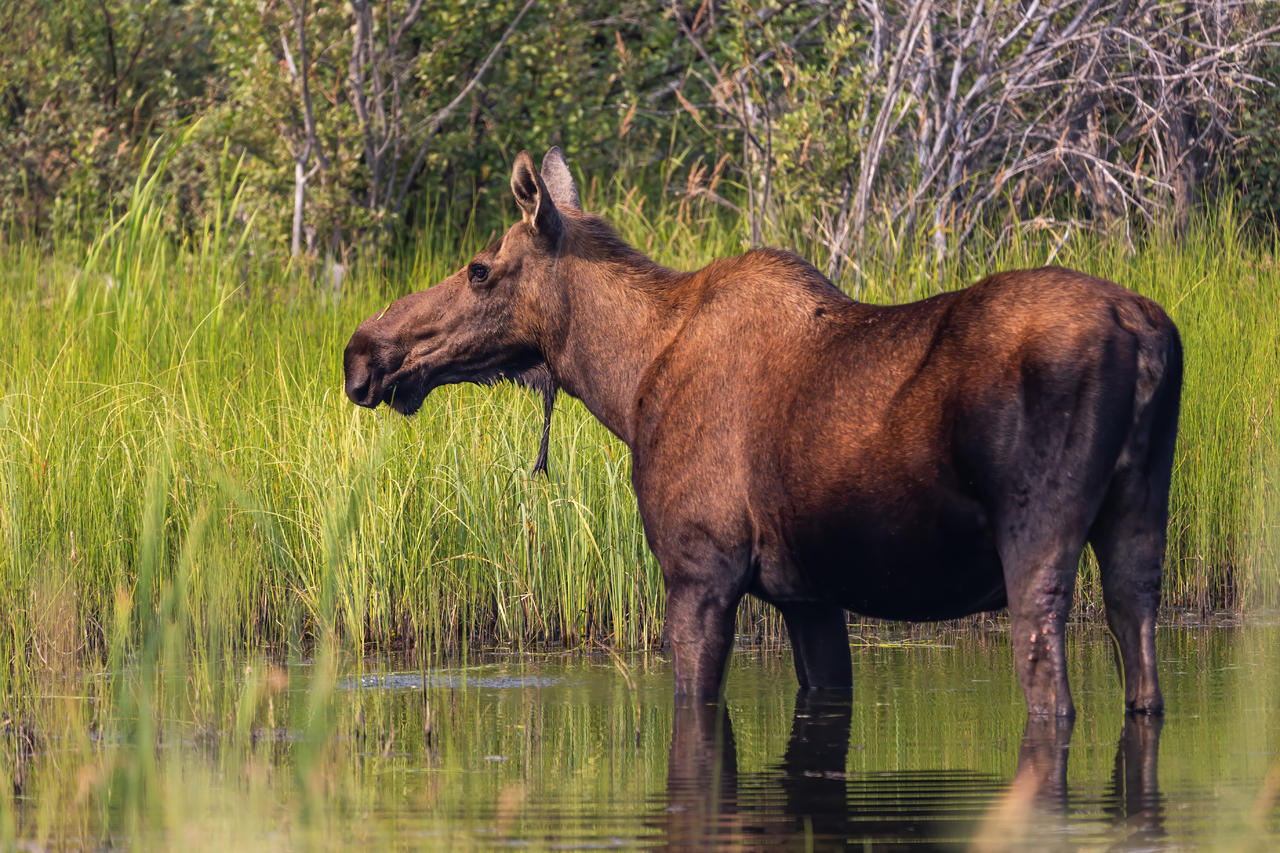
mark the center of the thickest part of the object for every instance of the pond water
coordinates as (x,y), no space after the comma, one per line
(583,751)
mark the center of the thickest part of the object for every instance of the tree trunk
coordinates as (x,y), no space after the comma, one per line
(299,203)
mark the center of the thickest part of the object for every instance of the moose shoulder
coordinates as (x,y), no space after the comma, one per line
(920,461)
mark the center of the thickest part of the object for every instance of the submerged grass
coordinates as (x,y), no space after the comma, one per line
(176,451)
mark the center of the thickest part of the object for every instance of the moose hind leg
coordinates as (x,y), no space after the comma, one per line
(1128,537)
(1040,579)
(820,644)
(1129,543)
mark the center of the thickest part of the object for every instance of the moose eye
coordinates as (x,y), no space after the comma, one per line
(477,272)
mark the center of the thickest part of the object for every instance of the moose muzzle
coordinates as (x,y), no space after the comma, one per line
(357,362)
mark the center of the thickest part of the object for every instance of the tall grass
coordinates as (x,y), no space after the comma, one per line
(175,445)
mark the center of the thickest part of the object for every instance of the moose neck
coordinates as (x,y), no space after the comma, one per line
(616,315)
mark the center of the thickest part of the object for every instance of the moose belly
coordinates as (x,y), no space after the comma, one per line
(918,564)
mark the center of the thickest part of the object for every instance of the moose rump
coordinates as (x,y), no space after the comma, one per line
(919,461)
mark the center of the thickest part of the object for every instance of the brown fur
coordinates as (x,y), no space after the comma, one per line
(920,461)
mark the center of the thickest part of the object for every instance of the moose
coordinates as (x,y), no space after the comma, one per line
(923,461)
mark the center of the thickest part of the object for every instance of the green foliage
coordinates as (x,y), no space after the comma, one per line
(758,105)
(84,86)
(100,82)
(1260,129)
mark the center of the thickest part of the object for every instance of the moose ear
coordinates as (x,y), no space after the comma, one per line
(534,199)
(555,174)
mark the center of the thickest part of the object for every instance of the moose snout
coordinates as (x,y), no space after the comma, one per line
(358,388)
(357,365)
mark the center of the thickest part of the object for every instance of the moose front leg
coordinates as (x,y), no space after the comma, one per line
(820,644)
(700,622)
(705,560)
(702,540)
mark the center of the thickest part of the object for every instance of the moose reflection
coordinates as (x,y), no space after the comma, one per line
(810,796)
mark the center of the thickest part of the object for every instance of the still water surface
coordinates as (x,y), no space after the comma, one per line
(574,751)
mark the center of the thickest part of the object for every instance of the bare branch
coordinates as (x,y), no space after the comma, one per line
(1120,107)
(433,122)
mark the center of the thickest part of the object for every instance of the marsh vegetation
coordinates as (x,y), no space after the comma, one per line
(241,612)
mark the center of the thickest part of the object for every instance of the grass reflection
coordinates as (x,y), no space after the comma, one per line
(540,749)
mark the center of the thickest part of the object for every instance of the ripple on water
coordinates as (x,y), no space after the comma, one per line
(427,680)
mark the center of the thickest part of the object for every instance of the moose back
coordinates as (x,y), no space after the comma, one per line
(920,462)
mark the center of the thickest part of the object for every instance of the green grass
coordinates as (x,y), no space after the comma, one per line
(176,451)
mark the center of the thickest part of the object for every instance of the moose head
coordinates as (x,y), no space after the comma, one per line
(484,323)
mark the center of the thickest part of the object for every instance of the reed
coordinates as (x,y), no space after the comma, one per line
(176,449)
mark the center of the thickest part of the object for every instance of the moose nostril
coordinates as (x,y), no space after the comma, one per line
(358,382)
(361,370)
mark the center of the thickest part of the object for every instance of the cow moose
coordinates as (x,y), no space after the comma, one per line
(923,461)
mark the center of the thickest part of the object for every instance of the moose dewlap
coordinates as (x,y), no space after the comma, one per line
(922,461)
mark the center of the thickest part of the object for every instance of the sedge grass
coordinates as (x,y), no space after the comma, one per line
(174,440)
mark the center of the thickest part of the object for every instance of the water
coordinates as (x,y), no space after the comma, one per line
(574,751)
